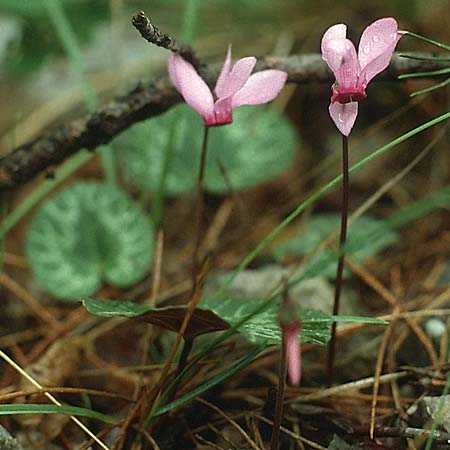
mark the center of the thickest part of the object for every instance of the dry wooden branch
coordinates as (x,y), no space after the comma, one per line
(149,100)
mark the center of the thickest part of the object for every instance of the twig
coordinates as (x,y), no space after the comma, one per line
(290,433)
(63,390)
(52,399)
(409,432)
(21,293)
(354,385)
(151,33)
(378,370)
(232,422)
(150,100)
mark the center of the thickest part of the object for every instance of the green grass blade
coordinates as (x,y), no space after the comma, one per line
(55,409)
(222,337)
(425,58)
(71,46)
(211,383)
(432,73)
(189,27)
(432,88)
(429,41)
(310,200)
(190,21)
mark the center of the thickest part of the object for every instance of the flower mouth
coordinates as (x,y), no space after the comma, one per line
(348,97)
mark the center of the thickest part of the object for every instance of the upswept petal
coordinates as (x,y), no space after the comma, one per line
(194,90)
(261,87)
(376,46)
(238,76)
(338,31)
(344,116)
(340,55)
(223,76)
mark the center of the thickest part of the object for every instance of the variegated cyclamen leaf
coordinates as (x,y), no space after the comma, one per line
(88,234)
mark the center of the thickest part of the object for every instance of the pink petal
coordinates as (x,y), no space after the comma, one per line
(338,31)
(344,116)
(238,76)
(223,111)
(340,55)
(194,90)
(221,81)
(261,87)
(293,352)
(376,46)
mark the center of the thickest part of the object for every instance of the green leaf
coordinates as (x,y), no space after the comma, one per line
(360,319)
(86,234)
(244,362)
(55,409)
(258,145)
(170,317)
(264,326)
(366,237)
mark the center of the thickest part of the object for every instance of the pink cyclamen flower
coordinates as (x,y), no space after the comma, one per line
(234,87)
(354,71)
(291,333)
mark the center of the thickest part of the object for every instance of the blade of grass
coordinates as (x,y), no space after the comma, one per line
(188,30)
(311,199)
(55,402)
(71,46)
(212,382)
(425,58)
(29,408)
(428,40)
(432,88)
(431,73)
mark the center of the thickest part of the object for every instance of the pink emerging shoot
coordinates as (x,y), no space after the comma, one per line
(291,333)
(354,71)
(234,87)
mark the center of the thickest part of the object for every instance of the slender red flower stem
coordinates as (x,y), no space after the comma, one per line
(340,267)
(196,263)
(275,441)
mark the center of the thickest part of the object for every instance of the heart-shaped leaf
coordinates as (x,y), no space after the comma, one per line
(170,318)
(258,145)
(366,237)
(89,233)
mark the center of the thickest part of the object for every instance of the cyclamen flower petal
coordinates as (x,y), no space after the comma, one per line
(223,76)
(344,116)
(330,51)
(354,71)
(261,87)
(376,47)
(232,81)
(234,87)
(194,90)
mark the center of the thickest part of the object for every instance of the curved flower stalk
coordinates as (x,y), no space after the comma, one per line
(235,87)
(354,71)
